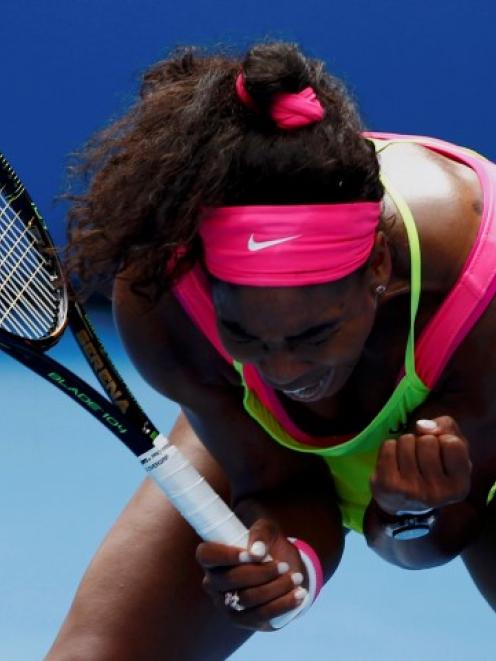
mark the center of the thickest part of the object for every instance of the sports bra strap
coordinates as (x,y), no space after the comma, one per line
(415,270)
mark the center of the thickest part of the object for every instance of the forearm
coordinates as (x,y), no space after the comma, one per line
(455,527)
(305,509)
(268,481)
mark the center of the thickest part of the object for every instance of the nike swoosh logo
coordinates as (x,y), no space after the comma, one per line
(253,245)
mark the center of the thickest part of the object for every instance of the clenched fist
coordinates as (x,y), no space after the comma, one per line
(428,469)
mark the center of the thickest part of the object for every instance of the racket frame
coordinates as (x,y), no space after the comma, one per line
(122,415)
(192,496)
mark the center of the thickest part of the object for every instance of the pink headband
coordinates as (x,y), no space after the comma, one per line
(289,245)
(289,111)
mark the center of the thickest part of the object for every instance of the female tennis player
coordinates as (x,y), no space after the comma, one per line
(319,301)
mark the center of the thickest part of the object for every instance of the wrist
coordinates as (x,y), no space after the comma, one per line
(455,526)
(403,525)
(411,525)
(312,565)
(407,524)
(315,580)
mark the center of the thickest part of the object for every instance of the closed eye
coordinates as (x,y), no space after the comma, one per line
(312,336)
(237,334)
(315,336)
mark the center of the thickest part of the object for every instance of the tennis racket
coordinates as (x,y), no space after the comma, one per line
(36,307)
(37,304)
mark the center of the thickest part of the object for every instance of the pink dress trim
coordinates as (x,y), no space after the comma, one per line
(476,285)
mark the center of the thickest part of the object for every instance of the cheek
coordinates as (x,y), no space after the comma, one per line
(363,320)
(341,351)
(241,351)
(347,346)
(244,353)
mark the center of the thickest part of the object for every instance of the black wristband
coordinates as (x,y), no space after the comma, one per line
(411,526)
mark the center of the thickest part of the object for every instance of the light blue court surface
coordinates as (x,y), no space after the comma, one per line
(64,480)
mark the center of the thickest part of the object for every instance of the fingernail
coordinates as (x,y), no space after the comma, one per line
(244,556)
(430,425)
(300,594)
(282,567)
(258,549)
(297,578)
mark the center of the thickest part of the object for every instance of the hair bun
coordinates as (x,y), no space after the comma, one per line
(272,68)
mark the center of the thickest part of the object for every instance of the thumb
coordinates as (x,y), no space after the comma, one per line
(428,426)
(443,424)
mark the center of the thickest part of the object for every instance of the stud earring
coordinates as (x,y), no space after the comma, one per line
(380,290)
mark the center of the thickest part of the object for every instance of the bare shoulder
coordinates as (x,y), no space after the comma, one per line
(427,178)
(170,352)
(445,197)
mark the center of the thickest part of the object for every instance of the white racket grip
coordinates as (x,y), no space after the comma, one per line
(198,503)
(192,496)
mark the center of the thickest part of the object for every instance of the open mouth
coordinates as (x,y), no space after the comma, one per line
(312,392)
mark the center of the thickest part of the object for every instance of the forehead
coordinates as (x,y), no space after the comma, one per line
(289,309)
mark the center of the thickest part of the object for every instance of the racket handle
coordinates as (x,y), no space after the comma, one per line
(197,502)
(192,496)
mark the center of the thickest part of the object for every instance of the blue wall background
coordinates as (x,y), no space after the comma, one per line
(69,66)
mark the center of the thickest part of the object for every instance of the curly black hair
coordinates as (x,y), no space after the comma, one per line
(189,142)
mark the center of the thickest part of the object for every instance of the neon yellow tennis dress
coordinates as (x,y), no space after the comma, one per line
(352,461)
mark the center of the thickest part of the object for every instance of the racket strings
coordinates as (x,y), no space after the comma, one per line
(25,258)
(29,303)
(19,302)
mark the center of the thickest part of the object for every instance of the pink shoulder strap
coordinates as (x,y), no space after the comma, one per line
(476,284)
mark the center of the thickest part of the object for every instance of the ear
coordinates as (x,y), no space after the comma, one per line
(380,262)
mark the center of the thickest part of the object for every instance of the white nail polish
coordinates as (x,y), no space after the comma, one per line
(300,594)
(258,549)
(430,425)
(244,556)
(297,578)
(282,567)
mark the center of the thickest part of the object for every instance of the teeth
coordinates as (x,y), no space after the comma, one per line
(298,390)
(301,391)
(309,392)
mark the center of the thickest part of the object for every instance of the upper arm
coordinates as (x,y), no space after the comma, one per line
(174,356)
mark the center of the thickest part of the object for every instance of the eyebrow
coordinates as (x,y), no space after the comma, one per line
(305,334)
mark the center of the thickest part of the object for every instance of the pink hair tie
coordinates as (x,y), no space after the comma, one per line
(243,93)
(291,111)
(288,110)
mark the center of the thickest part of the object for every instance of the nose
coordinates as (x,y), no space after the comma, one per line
(282,370)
